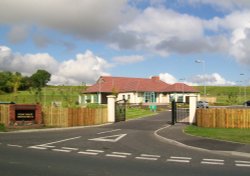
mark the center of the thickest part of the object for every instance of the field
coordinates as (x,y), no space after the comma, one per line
(227,95)
(68,95)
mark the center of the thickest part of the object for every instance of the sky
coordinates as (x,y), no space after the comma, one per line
(192,41)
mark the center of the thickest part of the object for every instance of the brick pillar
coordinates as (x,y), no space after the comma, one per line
(38,114)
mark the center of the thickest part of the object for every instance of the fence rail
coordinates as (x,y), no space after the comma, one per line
(64,117)
(223,118)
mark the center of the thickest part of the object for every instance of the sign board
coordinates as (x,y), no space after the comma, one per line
(25,114)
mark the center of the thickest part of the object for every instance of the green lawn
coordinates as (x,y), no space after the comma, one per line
(228,134)
(132,113)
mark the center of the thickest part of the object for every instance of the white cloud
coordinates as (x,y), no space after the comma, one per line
(164,32)
(214,79)
(27,63)
(89,19)
(168,78)
(128,59)
(84,68)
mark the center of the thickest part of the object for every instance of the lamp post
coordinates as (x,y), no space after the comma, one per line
(198,61)
(245,92)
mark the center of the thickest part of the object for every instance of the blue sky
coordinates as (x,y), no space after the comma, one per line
(78,41)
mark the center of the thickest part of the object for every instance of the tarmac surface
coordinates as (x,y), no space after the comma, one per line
(175,134)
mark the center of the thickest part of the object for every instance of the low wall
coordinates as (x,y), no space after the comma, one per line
(223,118)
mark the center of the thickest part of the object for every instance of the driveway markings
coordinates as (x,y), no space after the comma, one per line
(55,142)
(242,163)
(61,150)
(119,154)
(148,157)
(91,152)
(11,145)
(179,159)
(113,138)
(213,161)
(69,148)
(110,131)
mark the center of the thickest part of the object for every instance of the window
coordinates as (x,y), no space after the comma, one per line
(149,97)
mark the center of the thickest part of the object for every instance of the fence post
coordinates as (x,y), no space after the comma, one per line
(192,109)
(111,108)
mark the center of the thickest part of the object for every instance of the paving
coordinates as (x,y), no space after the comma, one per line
(176,133)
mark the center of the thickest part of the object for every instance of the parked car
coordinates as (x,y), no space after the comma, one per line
(202,104)
(247,103)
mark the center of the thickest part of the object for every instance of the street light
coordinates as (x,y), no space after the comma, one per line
(245,92)
(198,61)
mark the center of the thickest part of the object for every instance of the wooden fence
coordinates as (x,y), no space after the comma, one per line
(223,118)
(4,114)
(64,117)
(68,117)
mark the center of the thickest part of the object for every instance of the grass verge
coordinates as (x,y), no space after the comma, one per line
(2,128)
(228,134)
(132,113)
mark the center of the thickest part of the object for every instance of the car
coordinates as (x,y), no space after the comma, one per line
(202,104)
(247,103)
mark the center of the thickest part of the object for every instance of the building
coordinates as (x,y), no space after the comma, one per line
(136,90)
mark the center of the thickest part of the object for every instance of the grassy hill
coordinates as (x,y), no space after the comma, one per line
(68,95)
(227,94)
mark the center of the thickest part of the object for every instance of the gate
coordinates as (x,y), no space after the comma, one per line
(180,112)
(120,110)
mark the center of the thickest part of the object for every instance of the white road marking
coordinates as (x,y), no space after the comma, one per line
(47,144)
(122,153)
(96,151)
(179,159)
(109,131)
(182,158)
(37,147)
(88,153)
(113,138)
(242,163)
(116,156)
(212,161)
(146,158)
(119,154)
(69,148)
(11,145)
(61,150)
(154,156)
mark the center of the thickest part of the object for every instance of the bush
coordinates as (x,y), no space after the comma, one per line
(2,127)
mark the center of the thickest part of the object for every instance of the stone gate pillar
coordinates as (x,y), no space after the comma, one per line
(111,108)
(192,109)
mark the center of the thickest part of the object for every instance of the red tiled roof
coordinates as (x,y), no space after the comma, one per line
(180,87)
(110,84)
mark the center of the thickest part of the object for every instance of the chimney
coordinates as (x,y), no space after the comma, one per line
(155,78)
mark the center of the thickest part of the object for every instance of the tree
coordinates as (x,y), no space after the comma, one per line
(40,79)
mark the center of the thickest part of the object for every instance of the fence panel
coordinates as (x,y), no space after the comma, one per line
(223,118)
(4,114)
(68,117)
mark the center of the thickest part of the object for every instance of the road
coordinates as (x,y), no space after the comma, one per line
(125,148)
